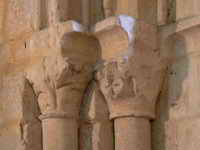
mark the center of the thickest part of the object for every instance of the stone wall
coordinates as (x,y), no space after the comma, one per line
(99,75)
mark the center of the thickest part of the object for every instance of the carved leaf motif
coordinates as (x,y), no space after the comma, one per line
(115,82)
(130,90)
(54,74)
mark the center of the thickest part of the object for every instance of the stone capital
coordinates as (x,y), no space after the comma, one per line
(60,68)
(132,71)
(130,93)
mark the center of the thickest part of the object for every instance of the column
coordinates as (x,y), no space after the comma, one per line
(96,132)
(130,78)
(62,60)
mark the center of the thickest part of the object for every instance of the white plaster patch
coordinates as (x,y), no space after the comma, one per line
(77,26)
(128,23)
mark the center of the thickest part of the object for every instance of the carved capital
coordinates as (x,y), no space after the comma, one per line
(60,75)
(131,76)
(130,92)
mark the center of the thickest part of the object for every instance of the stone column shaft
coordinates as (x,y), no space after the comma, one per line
(132,133)
(96,131)
(60,134)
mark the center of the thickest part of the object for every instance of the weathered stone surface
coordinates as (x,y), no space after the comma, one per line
(127,78)
(15,56)
(178,109)
(21,19)
(130,78)
(19,126)
(96,131)
(132,133)
(186,8)
(59,77)
(127,91)
(54,11)
(183,133)
(2,16)
(183,80)
(96,12)
(141,9)
(63,55)
(109,7)
(162,11)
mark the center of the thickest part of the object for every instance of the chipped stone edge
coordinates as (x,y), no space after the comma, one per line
(127,23)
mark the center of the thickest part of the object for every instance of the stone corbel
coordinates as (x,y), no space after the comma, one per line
(130,78)
(96,130)
(61,65)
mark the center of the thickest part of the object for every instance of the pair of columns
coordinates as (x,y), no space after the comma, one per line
(128,75)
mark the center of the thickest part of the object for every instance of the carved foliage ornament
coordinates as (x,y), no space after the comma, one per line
(57,81)
(130,90)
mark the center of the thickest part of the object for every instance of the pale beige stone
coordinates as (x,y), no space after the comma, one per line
(22,18)
(96,131)
(96,11)
(132,133)
(183,133)
(62,10)
(179,118)
(14,61)
(60,134)
(183,80)
(19,126)
(168,30)
(106,33)
(59,77)
(130,79)
(141,9)
(185,8)
(109,7)
(86,12)
(2,16)
(131,71)
(162,13)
